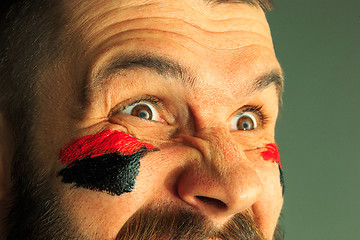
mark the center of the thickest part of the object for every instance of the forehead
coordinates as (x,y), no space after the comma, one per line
(226,39)
(92,17)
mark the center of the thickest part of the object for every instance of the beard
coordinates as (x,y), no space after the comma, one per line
(35,213)
(165,223)
(34,210)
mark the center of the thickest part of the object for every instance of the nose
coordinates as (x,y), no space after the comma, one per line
(222,182)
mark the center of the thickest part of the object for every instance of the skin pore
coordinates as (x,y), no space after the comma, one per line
(196,70)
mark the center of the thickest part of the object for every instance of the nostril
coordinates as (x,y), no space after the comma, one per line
(212,202)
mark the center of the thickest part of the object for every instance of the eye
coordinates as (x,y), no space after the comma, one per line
(143,110)
(244,121)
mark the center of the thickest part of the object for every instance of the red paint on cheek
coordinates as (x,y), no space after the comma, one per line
(271,153)
(105,142)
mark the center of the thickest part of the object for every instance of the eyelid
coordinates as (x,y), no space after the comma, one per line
(155,112)
(246,113)
(150,99)
(129,102)
(261,117)
(257,109)
(164,115)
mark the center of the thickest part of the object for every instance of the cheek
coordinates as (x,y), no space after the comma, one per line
(101,143)
(265,156)
(99,214)
(108,161)
(271,153)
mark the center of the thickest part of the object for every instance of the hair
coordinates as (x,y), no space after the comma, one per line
(29,32)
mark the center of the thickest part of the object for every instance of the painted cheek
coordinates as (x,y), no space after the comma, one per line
(101,143)
(108,161)
(272,154)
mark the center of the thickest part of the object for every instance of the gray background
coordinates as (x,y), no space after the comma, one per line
(318,45)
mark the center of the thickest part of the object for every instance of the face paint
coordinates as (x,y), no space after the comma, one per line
(272,153)
(107,161)
(101,143)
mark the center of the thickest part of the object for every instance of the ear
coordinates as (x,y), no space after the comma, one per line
(7,148)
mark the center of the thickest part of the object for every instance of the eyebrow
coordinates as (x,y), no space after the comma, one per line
(163,67)
(275,76)
(168,68)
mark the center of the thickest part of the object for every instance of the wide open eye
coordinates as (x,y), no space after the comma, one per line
(143,110)
(244,121)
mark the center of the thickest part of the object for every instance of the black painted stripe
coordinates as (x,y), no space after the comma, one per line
(112,173)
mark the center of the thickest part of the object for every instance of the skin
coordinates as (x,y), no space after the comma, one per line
(225,47)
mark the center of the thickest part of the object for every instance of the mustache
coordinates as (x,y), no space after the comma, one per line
(165,223)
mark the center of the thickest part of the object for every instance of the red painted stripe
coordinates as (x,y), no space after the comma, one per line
(101,143)
(271,153)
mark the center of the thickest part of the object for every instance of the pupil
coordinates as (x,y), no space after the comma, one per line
(245,123)
(143,114)
(142,111)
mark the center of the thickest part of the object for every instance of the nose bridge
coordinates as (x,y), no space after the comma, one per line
(228,164)
(219,150)
(223,182)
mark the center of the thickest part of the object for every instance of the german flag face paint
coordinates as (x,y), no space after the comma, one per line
(272,154)
(108,161)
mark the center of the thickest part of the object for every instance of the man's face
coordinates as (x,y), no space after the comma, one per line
(193,80)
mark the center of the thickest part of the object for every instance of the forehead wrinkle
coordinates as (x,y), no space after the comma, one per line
(123,38)
(239,28)
(87,20)
(100,72)
(87,10)
(101,51)
(207,25)
(87,16)
(93,13)
(147,34)
(177,23)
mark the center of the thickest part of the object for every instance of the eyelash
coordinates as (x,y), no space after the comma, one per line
(153,100)
(258,110)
